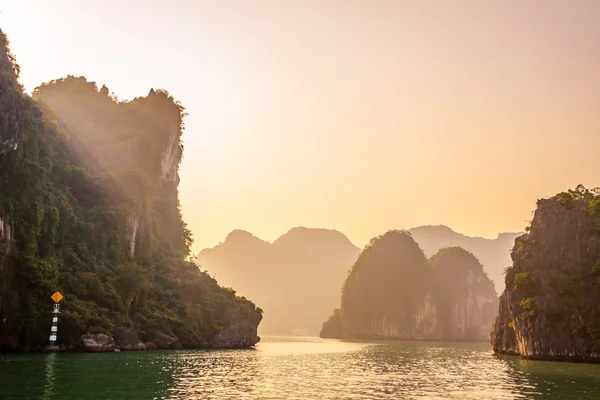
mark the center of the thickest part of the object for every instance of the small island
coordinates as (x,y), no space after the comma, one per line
(550,307)
(89,206)
(394,292)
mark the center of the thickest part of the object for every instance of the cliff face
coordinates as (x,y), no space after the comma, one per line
(89,206)
(392,292)
(504,339)
(467,300)
(550,306)
(388,293)
(12,106)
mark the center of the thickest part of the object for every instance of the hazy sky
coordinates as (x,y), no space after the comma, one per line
(356,115)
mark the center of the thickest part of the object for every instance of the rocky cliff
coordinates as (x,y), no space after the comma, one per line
(89,206)
(389,291)
(550,306)
(393,292)
(467,300)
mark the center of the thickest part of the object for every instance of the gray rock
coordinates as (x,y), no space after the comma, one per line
(549,307)
(126,340)
(150,346)
(242,332)
(98,343)
(236,337)
(164,341)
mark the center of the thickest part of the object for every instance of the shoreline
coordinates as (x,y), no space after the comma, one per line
(48,350)
(561,359)
(397,339)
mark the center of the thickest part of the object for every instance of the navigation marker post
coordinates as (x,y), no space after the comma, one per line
(57,297)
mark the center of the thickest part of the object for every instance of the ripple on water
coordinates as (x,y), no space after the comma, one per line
(299,368)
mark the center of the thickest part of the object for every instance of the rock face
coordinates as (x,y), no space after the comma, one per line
(504,339)
(163,341)
(392,292)
(388,293)
(133,224)
(549,308)
(5,235)
(10,116)
(236,337)
(467,301)
(170,159)
(11,127)
(98,343)
(128,341)
(150,346)
(242,332)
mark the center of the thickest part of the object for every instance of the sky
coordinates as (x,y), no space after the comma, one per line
(360,116)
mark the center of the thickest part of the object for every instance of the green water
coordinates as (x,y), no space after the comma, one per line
(298,368)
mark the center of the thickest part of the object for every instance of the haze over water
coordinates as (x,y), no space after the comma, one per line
(299,368)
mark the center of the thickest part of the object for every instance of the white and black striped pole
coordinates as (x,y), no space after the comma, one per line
(57,297)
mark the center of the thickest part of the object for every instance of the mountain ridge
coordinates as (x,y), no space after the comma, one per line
(279,274)
(243,232)
(240,233)
(287,263)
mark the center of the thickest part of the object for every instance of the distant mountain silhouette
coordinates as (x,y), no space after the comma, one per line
(494,254)
(296,279)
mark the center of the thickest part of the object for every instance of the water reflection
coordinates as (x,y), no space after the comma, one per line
(298,368)
(86,376)
(557,380)
(214,374)
(49,387)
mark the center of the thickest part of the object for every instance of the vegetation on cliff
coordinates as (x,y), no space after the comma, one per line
(88,206)
(550,306)
(388,283)
(393,291)
(332,328)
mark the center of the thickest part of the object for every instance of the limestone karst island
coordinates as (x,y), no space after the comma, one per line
(89,204)
(303,200)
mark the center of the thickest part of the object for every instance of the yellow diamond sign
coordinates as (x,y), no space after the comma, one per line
(57,297)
